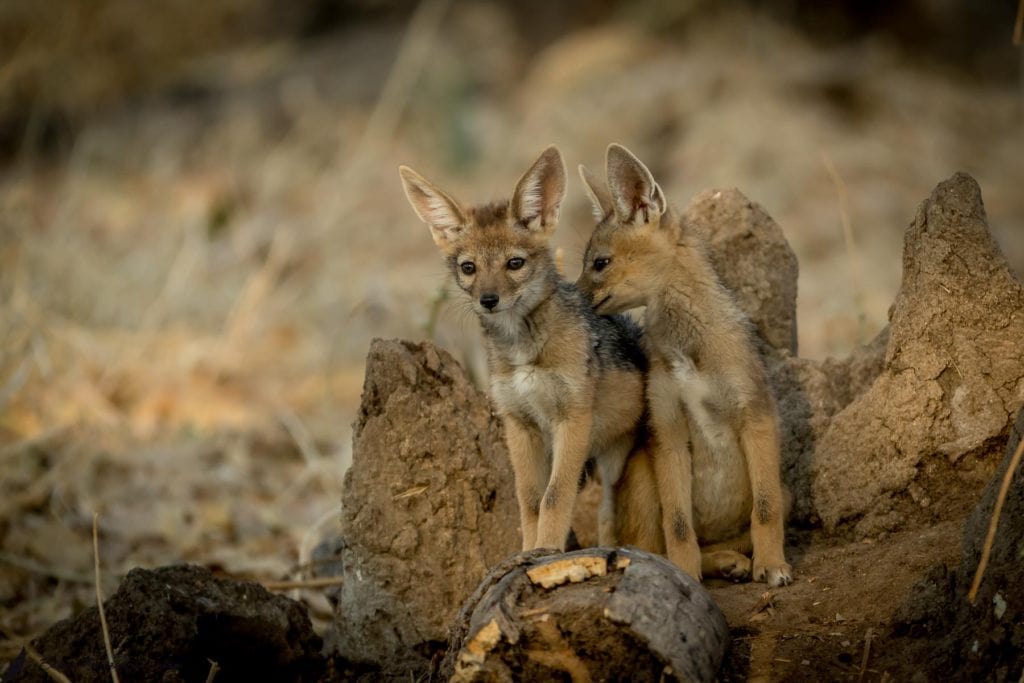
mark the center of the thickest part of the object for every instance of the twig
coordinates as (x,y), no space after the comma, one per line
(26,444)
(35,656)
(317,582)
(1018,27)
(766,603)
(244,315)
(867,653)
(305,551)
(50,671)
(34,567)
(851,249)
(413,55)
(99,598)
(994,522)
(299,434)
(214,668)
(14,383)
(33,492)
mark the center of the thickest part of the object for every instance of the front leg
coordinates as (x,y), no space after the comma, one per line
(531,468)
(673,471)
(570,445)
(759,438)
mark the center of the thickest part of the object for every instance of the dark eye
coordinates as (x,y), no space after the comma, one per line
(601,263)
(467,267)
(515,263)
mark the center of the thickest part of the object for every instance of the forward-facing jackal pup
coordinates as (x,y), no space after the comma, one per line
(567,382)
(716,434)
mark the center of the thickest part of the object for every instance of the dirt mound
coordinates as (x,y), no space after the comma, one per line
(169,624)
(428,502)
(952,378)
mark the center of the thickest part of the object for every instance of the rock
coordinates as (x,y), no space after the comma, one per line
(753,259)
(594,614)
(953,371)
(983,640)
(428,506)
(168,624)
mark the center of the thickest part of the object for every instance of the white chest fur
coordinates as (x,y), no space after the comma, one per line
(698,391)
(530,392)
(721,483)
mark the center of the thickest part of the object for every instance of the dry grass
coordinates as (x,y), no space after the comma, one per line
(186,300)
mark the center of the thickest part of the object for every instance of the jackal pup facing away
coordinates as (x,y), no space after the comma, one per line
(567,382)
(715,424)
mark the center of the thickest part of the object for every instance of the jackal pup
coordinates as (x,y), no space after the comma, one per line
(567,382)
(715,424)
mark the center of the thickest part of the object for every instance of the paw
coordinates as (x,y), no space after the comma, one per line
(731,566)
(774,575)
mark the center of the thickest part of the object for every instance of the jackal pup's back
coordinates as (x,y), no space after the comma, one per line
(716,432)
(567,382)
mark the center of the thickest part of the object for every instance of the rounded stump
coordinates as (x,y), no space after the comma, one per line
(589,615)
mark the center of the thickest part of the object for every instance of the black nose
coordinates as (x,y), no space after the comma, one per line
(489,301)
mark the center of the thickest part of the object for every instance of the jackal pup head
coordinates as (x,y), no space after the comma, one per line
(635,237)
(498,253)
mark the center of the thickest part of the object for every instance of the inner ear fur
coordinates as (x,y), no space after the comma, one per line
(539,193)
(436,208)
(635,197)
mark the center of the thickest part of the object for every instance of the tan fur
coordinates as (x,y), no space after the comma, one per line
(554,376)
(715,449)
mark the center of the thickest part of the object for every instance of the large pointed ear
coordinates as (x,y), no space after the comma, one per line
(635,196)
(437,209)
(540,191)
(600,200)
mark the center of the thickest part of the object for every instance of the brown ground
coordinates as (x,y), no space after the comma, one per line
(187,293)
(844,594)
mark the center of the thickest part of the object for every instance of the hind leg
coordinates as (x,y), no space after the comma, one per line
(638,511)
(611,463)
(728,559)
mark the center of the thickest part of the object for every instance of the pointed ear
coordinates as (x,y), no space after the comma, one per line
(540,191)
(437,209)
(635,196)
(600,200)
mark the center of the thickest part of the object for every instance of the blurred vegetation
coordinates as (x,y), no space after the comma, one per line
(64,60)
(201,224)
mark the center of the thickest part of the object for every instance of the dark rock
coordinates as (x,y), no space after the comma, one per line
(170,623)
(983,640)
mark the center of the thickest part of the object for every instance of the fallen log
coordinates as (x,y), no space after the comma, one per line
(589,615)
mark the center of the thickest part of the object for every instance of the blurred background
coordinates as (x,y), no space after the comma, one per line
(202,226)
